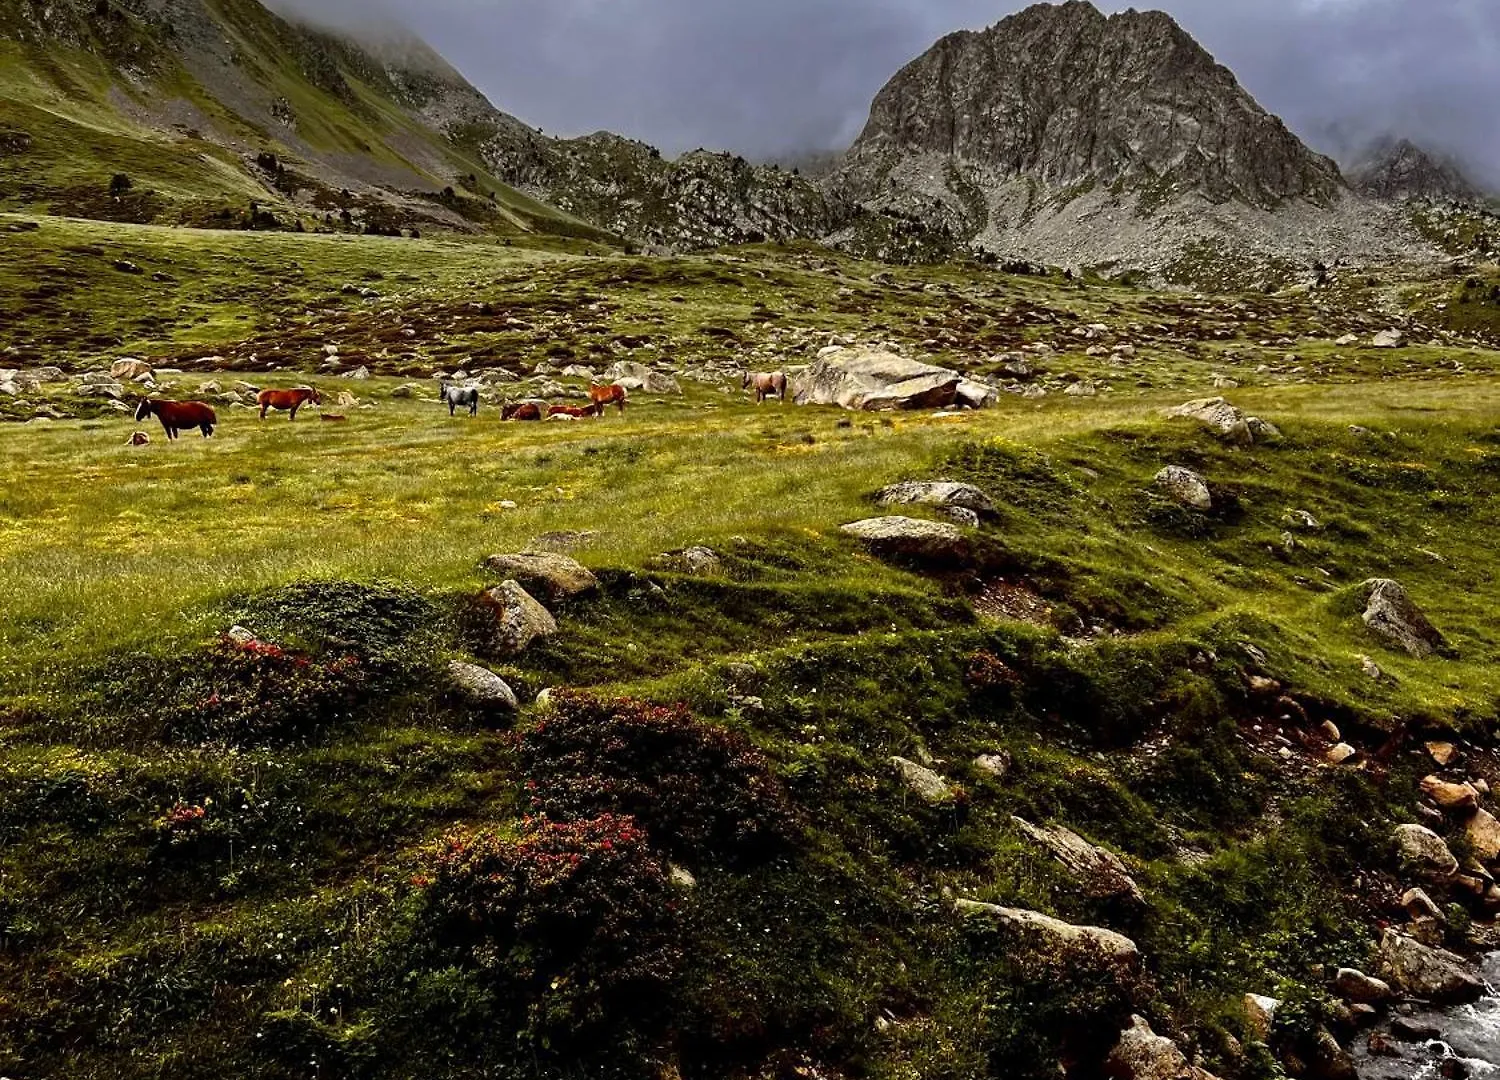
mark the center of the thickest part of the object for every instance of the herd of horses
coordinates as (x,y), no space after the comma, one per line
(179,416)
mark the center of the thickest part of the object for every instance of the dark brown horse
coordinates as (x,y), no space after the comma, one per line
(766,384)
(523,410)
(287,400)
(604,396)
(575,413)
(176,416)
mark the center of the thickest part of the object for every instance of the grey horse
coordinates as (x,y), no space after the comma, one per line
(461,397)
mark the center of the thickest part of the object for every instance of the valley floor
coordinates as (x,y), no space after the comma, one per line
(303,852)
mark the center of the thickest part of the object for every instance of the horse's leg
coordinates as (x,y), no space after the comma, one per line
(293,416)
(263,409)
(208,431)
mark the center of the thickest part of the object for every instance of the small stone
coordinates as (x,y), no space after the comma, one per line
(1341,753)
(1425,852)
(1331,731)
(1185,487)
(1444,753)
(1454,798)
(1260,1016)
(482,688)
(996,765)
(923,781)
(1355,986)
(682,877)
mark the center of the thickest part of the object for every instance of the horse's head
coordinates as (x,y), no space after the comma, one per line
(746,381)
(315,397)
(143,410)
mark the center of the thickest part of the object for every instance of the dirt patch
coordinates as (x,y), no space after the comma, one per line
(1012,602)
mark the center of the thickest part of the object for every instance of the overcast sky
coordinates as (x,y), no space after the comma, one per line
(780,77)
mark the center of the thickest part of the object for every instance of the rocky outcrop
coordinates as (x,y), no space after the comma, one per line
(1392,614)
(1100,873)
(871,380)
(1227,421)
(1066,95)
(1043,931)
(1398,170)
(940,493)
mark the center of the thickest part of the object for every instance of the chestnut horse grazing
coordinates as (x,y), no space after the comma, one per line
(603,396)
(524,410)
(575,413)
(766,384)
(287,400)
(177,415)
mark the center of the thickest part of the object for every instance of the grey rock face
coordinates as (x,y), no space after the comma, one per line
(1112,948)
(1101,874)
(1066,95)
(923,781)
(1392,614)
(1425,853)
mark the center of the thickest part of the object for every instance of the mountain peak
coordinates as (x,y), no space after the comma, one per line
(1397,169)
(1063,94)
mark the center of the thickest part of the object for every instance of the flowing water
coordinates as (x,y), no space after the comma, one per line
(1470,1034)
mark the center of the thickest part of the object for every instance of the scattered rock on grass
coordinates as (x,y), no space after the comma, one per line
(940,493)
(872,380)
(696,561)
(1425,853)
(1185,487)
(922,780)
(1392,614)
(550,575)
(1101,873)
(908,538)
(482,688)
(518,618)
(1114,949)
(1228,421)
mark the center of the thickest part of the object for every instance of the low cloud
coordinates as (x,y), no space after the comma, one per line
(781,77)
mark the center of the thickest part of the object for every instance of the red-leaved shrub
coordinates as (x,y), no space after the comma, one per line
(575,922)
(700,791)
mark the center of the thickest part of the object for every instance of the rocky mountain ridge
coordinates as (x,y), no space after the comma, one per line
(1397,170)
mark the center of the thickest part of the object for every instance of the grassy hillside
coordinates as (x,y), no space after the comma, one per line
(192,110)
(306,855)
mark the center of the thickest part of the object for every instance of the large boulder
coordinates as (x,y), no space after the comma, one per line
(1227,421)
(976,395)
(634,376)
(940,493)
(1100,873)
(1142,1054)
(129,369)
(516,619)
(1425,853)
(1392,614)
(1357,988)
(1115,950)
(1421,971)
(1450,797)
(550,575)
(870,380)
(1483,834)
(1185,487)
(907,538)
(482,688)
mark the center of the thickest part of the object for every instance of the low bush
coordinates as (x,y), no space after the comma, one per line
(700,791)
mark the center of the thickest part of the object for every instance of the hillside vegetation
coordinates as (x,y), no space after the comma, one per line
(250,825)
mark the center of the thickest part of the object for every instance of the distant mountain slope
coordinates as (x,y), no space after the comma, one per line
(1398,169)
(208,106)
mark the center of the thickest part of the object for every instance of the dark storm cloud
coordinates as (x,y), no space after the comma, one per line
(777,77)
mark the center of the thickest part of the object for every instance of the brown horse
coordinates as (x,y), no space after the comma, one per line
(522,410)
(575,413)
(287,400)
(178,415)
(766,384)
(604,396)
